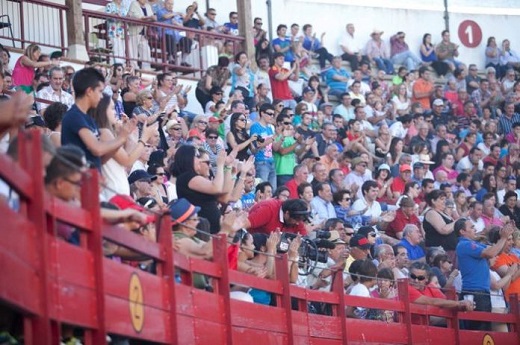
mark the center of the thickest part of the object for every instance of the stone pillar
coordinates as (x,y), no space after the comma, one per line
(245,25)
(75,31)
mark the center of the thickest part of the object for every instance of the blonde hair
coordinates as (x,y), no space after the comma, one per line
(30,50)
(516,235)
(141,96)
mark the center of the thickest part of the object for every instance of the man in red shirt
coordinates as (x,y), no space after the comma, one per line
(404,215)
(397,186)
(279,77)
(300,173)
(421,293)
(269,215)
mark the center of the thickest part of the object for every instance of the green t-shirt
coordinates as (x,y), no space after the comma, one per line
(199,280)
(284,164)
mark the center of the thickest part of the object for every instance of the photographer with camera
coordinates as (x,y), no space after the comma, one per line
(326,256)
(288,216)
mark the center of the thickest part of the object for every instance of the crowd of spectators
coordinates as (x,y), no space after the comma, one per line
(407,178)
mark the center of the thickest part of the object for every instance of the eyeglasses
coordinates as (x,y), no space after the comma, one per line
(259,23)
(77,183)
(419,278)
(212,137)
(286,123)
(212,14)
(349,233)
(270,114)
(234,17)
(161,174)
(149,97)
(203,122)
(242,119)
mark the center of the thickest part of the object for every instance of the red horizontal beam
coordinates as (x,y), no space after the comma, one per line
(137,243)
(68,213)
(16,177)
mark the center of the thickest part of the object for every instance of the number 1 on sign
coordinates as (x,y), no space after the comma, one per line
(469,33)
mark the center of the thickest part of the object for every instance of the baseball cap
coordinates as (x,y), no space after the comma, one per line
(325,104)
(213,119)
(359,241)
(140,175)
(125,201)
(418,165)
(438,101)
(384,166)
(405,167)
(35,120)
(308,89)
(181,210)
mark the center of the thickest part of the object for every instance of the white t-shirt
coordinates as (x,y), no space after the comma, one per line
(362,291)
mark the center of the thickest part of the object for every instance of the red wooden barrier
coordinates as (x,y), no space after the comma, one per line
(51,283)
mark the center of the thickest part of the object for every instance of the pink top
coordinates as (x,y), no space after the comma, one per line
(22,75)
(451,174)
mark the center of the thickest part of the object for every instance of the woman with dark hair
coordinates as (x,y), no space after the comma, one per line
(510,207)
(282,193)
(243,79)
(443,269)
(114,169)
(319,94)
(53,116)
(189,167)
(159,190)
(395,151)
(442,147)
(438,226)
(428,56)
(493,54)
(489,185)
(263,50)
(237,137)
(212,147)
(383,177)
(468,143)
(215,76)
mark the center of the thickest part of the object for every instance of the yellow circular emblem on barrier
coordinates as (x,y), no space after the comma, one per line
(488,340)
(135,299)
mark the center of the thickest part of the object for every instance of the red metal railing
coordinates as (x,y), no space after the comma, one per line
(50,282)
(44,23)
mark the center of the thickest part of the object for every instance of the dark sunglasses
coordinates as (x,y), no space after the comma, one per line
(161,174)
(212,137)
(346,199)
(286,123)
(349,233)
(419,278)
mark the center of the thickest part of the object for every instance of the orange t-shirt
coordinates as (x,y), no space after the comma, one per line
(508,259)
(421,86)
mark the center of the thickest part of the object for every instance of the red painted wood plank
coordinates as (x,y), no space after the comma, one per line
(321,326)
(153,287)
(206,333)
(499,338)
(244,279)
(16,177)
(67,213)
(155,321)
(71,264)
(138,243)
(247,315)
(72,304)
(206,267)
(248,336)
(375,331)
(19,284)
